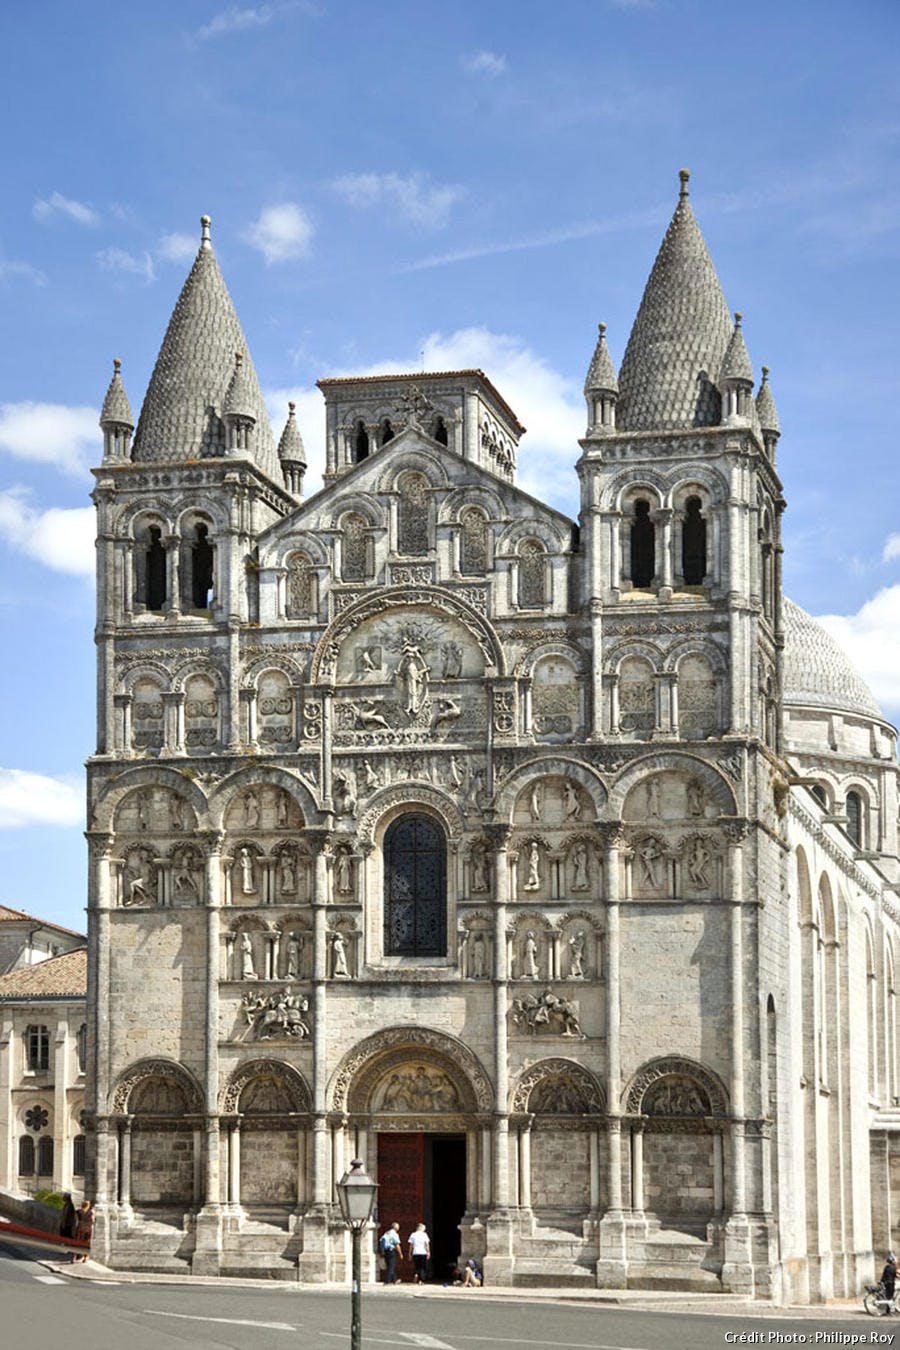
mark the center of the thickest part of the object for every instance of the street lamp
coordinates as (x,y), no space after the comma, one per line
(356,1196)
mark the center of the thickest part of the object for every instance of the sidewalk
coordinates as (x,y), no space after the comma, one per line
(647,1300)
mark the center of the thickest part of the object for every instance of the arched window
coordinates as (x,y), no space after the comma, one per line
(37,1048)
(78,1155)
(643,545)
(693,543)
(360,442)
(154,570)
(200,563)
(439,431)
(820,794)
(355,544)
(45,1156)
(386,432)
(473,555)
(26,1156)
(855,818)
(532,575)
(412,515)
(415,888)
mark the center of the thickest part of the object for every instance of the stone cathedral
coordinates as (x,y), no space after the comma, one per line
(548,866)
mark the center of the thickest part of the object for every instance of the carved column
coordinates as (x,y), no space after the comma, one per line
(612,1264)
(172,700)
(596,723)
(100,901)
(122,741)
(737,1269)
(637,1167)
(525,1164)
(124,1188)
(127,581)
(249,699)
(499,1259)
(327,695)
(206,1255)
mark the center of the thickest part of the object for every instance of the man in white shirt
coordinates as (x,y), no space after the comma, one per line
(420,1250)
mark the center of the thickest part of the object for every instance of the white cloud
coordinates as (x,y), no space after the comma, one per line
(234,19)
(60,538)
(891,548)
(484,63)
(51,433)
(413,197)
(871,639)
(10,269)
(131,264)
(177,247)
(36,799)
(282,233)
(46,208)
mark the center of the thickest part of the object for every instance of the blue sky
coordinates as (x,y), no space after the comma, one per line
(454,184)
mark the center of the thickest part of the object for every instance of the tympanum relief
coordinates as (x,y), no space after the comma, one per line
(418,1088)
(283,1015)
(546,1014)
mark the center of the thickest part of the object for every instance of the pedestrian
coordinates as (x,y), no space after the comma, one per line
(84,1228)
(68,1217)
(472,1276)
(889,1279)
(420,1250)
(391,1247)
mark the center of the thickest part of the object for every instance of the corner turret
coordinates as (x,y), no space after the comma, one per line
(116,420)
(736,378)
(601,389)
(237,410)
(767,414)
(292,455)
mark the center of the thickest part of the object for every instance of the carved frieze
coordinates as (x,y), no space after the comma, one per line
(280,1016)
(546,1013)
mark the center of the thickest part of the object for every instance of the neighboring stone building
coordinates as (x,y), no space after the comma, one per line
(25,940)
(539,864)
(43,1054)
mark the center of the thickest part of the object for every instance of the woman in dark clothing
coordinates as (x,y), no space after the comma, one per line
(84,1228)
(67,1218)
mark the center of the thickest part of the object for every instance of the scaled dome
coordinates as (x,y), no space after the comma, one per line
(817,671)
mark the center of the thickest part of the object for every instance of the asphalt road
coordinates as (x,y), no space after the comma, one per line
(41,1311)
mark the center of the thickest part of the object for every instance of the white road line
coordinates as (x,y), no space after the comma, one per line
(48,1279)
(419,1338)
(559,1345)
(227,1321)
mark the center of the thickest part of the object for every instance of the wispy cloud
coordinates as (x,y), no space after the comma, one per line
(243,18)
(891,548)
(13,270)
(51,433)
(282,233)
(48,208)
(130,264)
(36,799)
(413,197)
(483,63)
(177,247)
(60,538)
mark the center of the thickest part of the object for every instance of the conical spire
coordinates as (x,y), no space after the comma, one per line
(116,410)
(674,354)
(601,376)
(765,407)
(238,400)
(736,363)
(290,447)
(182,413)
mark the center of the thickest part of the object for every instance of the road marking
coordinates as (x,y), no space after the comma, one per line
(559,1345)
(48,1279)
(419,1338)
(228,1321)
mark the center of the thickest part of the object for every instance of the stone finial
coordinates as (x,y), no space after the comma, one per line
(685,177)
(205,241)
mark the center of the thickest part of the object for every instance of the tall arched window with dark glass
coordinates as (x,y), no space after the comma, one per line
(854,811)
(415,888)
(643,545)
(693,543)
(155,564)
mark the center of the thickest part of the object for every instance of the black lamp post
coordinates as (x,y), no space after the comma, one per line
(356,1196)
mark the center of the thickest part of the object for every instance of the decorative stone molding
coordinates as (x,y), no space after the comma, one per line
(413,796)
(547,1069)
(651,1073)
(166,1069)
(359,1072)
(286,1075)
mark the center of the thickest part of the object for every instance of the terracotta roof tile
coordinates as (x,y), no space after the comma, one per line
(59,977)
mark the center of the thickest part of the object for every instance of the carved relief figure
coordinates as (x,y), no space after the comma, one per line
(251,810)
(546,1011)
(674,1097)
(456,776)
(696,798)
(142,804)
(413,672)
(530,957)
(556,1096)
(279,1015)
(478,957)
(292,966)
(479,870)
(653,806)
(185,884)
(533,879)
(419,1091)
(536,800)
(576,955)
(649,855)
(447,710)
(571,804)
(369,659)
(176,812)
(370,777)
(287,874)
(368,717)
(451,654)
(581,880)
(137,888)
(344,796)
(245,860)
(282,808)
(339,956)
(343,872)
(248,969)
(698,862)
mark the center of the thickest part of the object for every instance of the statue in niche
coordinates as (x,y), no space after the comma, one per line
(533,879)
(339,956)
(479,870)
(248,969)
(476,789)
(137,887)
(287,874)
(343,872)
(143,806)
(699,859)
(571,804)
(184,875)
(478,957)
(294,949)
(368,718)
(653,804)
(344,796)
(696,798)
(536,800)
(245,860)
(176,812)
(370,777)
(413,673)
(251,810)
(576,955)
(530,957)
(650,857)
(451,654)
(546,1011)
(581,880)
(282,809)
(456,775)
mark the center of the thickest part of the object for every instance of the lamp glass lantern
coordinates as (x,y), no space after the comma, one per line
(356,1196)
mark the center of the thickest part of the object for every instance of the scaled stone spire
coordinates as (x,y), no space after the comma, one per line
(292,455)
(736,363)
(116,419)
(601,388)
(765,407)
(667,381)
(182,416)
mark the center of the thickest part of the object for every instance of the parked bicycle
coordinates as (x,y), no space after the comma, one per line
(877,1303)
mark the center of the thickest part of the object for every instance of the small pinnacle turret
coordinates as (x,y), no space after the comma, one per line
(116,418)
(292,455)
(736,377)
(767,414)
(601,389)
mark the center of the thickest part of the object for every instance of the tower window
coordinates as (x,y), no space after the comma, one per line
(439,432)
(387,432)
(201,568)
(854,812)
(81,1047)
(643,545)
(693,544)
(37,1048)
(360,443)
(415,888)
(156,570)
(820,795)
(78,1155)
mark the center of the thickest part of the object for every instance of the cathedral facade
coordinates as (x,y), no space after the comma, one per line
(549,867)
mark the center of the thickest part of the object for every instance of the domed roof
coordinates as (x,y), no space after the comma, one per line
(817,670)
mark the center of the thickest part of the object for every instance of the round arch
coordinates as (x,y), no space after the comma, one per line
(556,766)
(674,1067)
(640,769)
(168,1070)
(288,1079)
(363,1067)
(585,1084)
(147,775)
